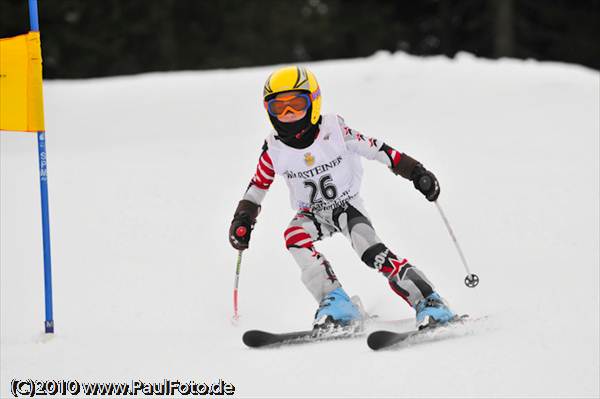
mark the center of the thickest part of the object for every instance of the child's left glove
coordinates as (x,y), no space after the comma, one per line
(423,180)
(426,183)
(242,224)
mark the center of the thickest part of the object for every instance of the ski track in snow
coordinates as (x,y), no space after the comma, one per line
(145,173)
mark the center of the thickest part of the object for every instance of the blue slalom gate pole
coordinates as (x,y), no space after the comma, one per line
(41,138)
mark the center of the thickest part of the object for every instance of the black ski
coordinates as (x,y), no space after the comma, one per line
(258,338)
(385,339)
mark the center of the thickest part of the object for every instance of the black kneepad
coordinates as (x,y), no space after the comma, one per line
(376,256)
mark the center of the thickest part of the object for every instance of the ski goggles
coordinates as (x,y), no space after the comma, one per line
(296,103)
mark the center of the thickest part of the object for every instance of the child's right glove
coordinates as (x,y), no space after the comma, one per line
(242,224)
(423,180)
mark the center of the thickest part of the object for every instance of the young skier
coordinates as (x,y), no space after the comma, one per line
(318,156)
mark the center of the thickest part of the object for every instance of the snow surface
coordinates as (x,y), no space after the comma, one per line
(145,173)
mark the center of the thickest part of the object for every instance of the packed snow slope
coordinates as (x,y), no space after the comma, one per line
(146,171)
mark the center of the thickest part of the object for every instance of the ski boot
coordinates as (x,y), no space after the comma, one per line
(337,312)
(432,310)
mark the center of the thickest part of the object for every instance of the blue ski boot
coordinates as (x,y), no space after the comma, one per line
(336,310)
(432,310)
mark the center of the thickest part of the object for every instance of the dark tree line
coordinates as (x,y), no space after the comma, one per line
(114,37)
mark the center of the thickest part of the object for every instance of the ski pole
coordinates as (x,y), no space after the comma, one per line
(241,231)
(236,315)
(472,279)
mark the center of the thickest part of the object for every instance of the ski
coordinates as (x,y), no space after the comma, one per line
(259,339)
(384,339)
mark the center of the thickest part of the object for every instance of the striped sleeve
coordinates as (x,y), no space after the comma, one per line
(392,156)
(264,171)
(262,179)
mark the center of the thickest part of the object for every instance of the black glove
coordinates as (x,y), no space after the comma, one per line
(242,224)
(426,183)
(424,180)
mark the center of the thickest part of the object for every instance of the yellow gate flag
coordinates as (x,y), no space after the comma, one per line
(21,100)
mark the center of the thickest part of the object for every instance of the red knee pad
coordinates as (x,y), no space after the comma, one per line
(297,237)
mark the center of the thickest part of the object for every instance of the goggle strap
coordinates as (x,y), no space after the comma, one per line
(316,94)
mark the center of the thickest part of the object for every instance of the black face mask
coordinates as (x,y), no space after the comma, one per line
(299,134)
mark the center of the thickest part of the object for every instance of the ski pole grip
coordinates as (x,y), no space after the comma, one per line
(241,231)
(425,183)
